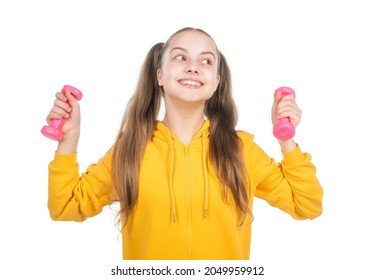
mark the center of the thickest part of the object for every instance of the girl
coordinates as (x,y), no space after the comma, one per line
(186,184)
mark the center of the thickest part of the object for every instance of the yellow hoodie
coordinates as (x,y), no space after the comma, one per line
(181,212)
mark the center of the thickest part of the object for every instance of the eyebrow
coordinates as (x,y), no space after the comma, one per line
(185,50)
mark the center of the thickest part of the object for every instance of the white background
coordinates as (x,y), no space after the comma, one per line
(325,50)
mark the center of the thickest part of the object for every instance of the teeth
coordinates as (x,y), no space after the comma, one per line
(190,83)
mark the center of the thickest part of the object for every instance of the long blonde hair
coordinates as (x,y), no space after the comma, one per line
(138,124)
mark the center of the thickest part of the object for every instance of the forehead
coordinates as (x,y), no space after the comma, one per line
(193,40)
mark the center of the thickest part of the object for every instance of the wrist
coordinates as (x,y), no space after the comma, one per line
(69,143)
(287,145)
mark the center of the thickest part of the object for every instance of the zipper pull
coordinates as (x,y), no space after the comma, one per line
(186,151)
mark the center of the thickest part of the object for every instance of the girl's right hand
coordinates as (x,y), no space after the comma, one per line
(67,107)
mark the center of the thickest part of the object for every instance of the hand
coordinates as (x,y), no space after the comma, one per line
(286,107)
(67,107)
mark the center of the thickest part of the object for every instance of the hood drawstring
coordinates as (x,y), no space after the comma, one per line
(170,181)
(205,175)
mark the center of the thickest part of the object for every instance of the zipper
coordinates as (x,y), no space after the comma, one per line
(189,203)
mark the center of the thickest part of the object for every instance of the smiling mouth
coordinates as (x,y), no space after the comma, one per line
(191,83)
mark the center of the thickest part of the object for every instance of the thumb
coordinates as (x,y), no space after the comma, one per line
(71,100)
(276,100)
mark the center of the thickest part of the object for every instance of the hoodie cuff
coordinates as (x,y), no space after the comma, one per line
(293,156)
(64,160)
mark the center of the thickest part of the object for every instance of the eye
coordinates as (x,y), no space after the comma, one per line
(180,57)
(207,61)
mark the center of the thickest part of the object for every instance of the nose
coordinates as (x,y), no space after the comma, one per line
(192,69)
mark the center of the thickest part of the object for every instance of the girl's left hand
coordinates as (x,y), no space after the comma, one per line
(286,106)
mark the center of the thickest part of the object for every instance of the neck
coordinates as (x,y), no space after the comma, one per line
(184,122)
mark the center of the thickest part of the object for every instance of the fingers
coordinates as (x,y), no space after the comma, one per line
(61,107)
(276,101)
(61,96)
(286,107)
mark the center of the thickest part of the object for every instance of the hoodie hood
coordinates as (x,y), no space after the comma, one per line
(164,133)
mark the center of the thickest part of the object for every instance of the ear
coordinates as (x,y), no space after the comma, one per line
(217,81)
(159,76)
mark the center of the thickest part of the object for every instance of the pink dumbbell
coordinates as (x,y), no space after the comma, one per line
(53,130)
(284,129)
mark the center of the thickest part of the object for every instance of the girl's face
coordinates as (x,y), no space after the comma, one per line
(189,68)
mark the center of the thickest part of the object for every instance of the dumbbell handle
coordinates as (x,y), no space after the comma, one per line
(284,129)
(53,130)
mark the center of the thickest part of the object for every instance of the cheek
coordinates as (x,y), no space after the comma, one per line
(165,73)
(214,80)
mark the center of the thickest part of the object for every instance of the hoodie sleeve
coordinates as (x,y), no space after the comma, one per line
(72,197)
(291,185)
